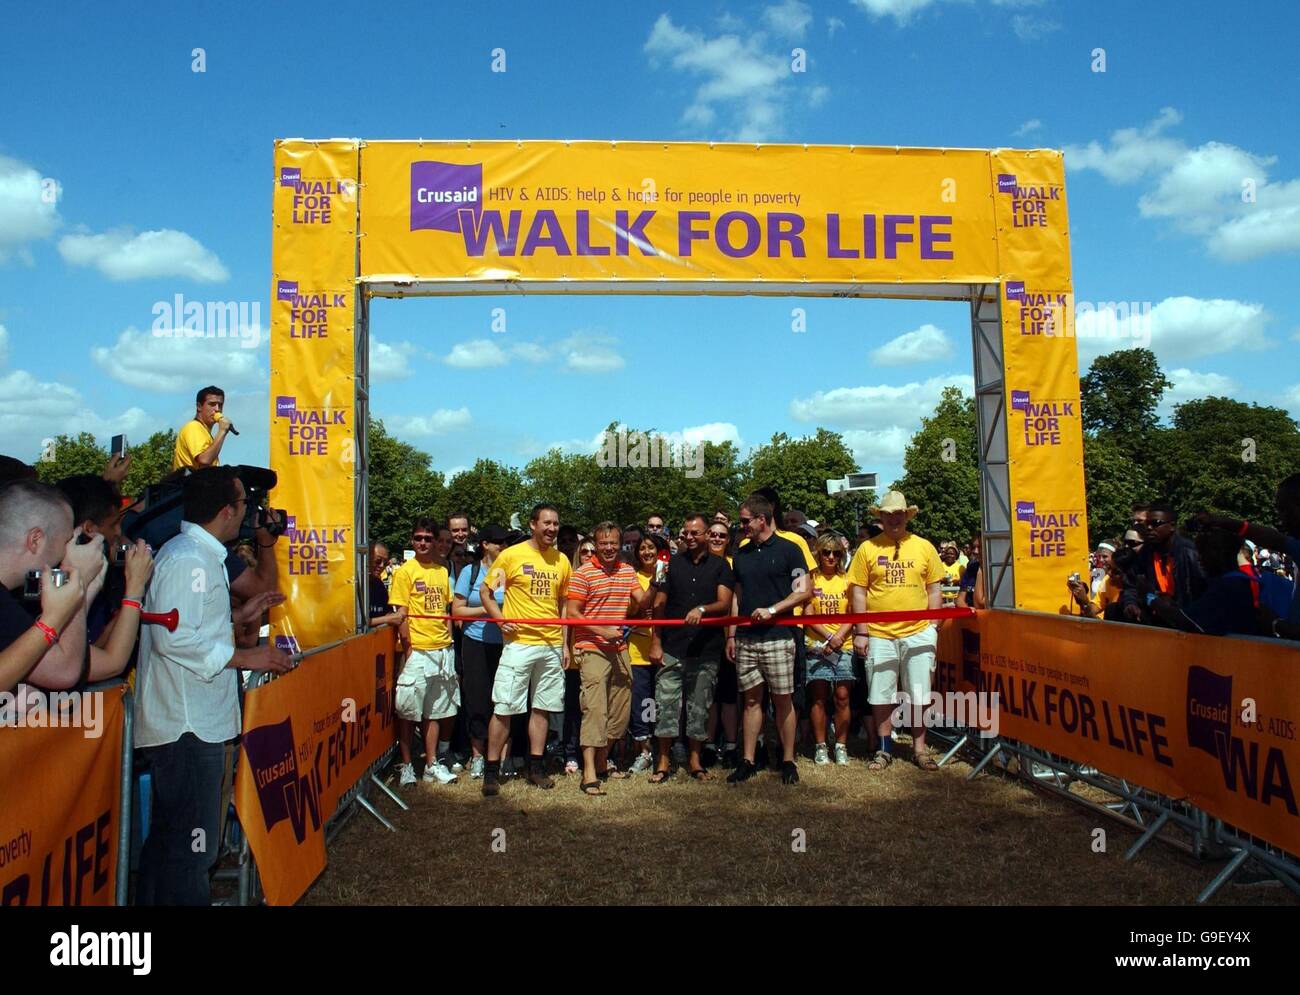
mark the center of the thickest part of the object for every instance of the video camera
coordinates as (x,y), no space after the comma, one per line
(163,508)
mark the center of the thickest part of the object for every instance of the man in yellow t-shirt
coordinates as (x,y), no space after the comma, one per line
(428,690)
(897,571)
(535,576)
(195,446)
(953,571)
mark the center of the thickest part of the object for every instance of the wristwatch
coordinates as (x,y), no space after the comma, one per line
(772,610)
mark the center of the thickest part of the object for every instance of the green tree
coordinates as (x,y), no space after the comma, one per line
(1226,456)
(941,471)
(402,487)
(151,460)
(487,492)
(568,481)
(1119,398)
(67,456)
(799,468)
(1113,482)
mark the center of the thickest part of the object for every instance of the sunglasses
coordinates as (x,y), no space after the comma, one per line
(422,538)
(834,554)
(745,521)
(1155,523)
(1132,543)
(718,535)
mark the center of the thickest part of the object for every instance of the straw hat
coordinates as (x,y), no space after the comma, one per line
(894,501)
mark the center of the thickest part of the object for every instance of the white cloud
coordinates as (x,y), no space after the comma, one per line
(1188,385)
(389,363)
(880,406)
(28,207)
(926,344)
(1292,400)
(4,346)
(693,435)
(1033,124)
(529,352)
(876,448)
(476,354)
(790,18)
(833,24)
(590,352)
(900,10)
(123,255)
(1176,329)
(1217,191)
(1030,28)
(747,78)
(170,364)
(441,422)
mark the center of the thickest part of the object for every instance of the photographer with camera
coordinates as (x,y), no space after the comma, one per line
(187,694)
(36,536)
(1287,502)
(112,617)
(1167,562)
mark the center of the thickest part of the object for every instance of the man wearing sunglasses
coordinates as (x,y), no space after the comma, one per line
(1167,561)
(428,690)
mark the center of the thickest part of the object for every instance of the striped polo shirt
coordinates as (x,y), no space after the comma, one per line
(601,594)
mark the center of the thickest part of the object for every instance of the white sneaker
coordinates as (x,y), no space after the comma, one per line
(457,767)
(841,755)
(821,758)
(476,768)
(642,763)
(437,772)
(407,776)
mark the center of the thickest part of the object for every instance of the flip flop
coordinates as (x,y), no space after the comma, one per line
(701,775)
(660,776)
(587,789)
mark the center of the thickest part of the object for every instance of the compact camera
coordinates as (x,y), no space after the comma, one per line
(32,586)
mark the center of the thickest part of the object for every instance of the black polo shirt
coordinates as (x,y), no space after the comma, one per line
(766,573)
(689,585)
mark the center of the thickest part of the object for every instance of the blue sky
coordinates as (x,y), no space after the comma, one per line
(126,178)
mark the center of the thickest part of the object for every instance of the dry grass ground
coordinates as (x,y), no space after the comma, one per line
(900,837)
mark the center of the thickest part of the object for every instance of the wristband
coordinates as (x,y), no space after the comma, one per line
(132,603)
(1241,532)
(47,632)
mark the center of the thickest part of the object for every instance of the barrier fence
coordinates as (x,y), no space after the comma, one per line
(1187,732)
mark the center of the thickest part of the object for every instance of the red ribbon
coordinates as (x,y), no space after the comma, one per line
(917,615)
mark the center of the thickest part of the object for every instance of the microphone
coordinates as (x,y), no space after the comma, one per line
(232,430)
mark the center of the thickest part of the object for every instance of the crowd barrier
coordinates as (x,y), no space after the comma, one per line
(1188,731)
(65,801)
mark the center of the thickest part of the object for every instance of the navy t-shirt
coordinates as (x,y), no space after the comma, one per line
(689,585)
(766,573)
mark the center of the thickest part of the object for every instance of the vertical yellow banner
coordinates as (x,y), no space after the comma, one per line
(313,396)
(1049,529)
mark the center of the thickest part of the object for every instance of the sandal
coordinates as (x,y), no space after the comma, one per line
(925,763)
(701,775)
(592,789)
(880,761)
(659,776)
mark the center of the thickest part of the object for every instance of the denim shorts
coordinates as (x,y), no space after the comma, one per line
(834,667)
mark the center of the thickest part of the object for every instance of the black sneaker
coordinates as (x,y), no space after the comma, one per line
(538,777)
(729,759)
(708,757)
(743,772)
(491,786)
(789,772)
(760,757)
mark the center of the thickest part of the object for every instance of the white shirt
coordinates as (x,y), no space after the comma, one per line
(183,684)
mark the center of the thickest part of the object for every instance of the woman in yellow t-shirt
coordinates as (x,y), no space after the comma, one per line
(828,665)
(644,669)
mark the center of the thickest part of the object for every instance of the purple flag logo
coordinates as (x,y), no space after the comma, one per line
(288,644)
(1209,710)
(881,560)
(528,569)
(290,176)
(1024,511)
(291,522)
(285,407)
(1020,400)
(1015,290)
(441,190)
(1006,183)
(286,290)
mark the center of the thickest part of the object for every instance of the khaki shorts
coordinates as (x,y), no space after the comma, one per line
(523,665)
(765,661)
(427,687)
(907,661)
(606,695)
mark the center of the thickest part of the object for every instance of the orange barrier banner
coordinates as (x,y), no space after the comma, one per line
(61,804)
(1212,720)
(308,738)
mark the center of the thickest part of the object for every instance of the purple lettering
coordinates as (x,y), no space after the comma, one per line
(686,233)
(893,236)
(632,231)
(833,250)
(783,227)
(929,236)
(476,231)
(752,234)
(553,239)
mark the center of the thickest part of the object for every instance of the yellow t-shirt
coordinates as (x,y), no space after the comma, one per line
(795,538)
(830,597)
(952,575)
(192,439)
(638,644)
(896,584)
(424,591)
(535,586)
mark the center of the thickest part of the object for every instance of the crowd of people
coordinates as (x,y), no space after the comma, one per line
(524,653)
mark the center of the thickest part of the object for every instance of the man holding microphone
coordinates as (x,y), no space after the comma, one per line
(195,445)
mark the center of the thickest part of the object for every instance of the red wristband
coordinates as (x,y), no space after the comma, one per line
(1241,532)
(50,635)
(132,603)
